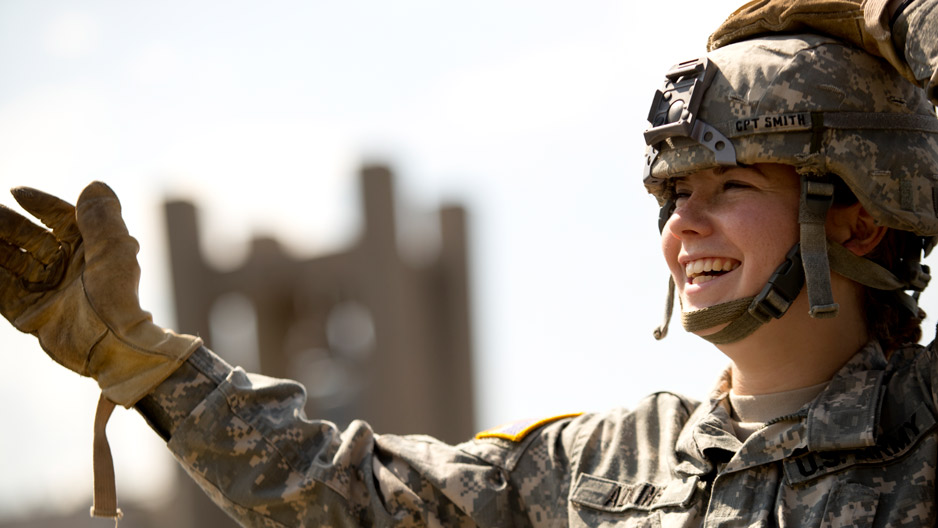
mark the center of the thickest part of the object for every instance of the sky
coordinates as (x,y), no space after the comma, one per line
(527,113)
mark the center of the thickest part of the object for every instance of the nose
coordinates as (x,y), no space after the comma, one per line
(689,219)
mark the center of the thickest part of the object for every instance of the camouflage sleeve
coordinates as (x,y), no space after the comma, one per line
(924,370)
(541,469)
(244,439)
(915,34)
(171,402)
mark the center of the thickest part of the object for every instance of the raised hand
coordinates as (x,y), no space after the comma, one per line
(74,286)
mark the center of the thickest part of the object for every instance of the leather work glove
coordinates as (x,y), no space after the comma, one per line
(862,23)
(75,288)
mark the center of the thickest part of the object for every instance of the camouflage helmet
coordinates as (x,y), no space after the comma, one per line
(824,108)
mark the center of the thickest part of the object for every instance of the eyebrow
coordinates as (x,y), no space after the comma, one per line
(720,170)
(717,171)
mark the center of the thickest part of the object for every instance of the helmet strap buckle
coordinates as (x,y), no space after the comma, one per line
(781,290)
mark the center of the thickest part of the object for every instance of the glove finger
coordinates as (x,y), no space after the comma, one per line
(57,214)
(34,275)
(111,272)
(18,231)
(98,213)
(12,296)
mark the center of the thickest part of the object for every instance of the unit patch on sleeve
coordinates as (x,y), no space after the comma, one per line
(517,430)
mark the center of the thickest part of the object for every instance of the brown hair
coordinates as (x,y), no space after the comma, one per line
(888,320)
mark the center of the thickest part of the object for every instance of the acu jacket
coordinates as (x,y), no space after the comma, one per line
(862,453)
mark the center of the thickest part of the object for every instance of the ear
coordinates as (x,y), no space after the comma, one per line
(854,228)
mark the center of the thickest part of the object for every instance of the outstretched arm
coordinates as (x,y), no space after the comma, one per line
(243,437)
(914,31)
(904,32)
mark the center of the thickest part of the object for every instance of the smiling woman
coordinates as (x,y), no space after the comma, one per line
(746,150)
(726,214)
(746,220)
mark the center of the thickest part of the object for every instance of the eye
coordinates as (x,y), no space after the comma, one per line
(736,184)
(681,194)
(680,190)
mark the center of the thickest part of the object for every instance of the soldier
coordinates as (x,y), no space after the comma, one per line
(776,160)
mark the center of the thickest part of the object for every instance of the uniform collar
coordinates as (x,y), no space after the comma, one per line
(705,440)
(846,414)
(708,438)
(843,416)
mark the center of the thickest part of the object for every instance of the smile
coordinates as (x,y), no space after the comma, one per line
(706,269)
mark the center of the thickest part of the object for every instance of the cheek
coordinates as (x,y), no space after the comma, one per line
(670,248)
(766,234)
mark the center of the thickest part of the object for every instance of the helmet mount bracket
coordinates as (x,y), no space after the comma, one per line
(674,110)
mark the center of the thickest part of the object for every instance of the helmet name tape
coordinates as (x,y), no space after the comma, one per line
(773,123)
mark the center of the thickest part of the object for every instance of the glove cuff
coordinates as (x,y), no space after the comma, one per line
(127,373)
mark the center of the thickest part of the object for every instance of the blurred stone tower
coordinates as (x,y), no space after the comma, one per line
(370,335)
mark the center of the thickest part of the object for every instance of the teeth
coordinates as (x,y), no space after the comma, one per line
(695,268)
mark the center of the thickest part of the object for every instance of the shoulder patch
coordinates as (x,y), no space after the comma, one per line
(517,430)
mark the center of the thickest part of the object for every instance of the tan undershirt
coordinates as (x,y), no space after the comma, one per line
(750,413)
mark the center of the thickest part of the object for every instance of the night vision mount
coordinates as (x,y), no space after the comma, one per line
(674,113)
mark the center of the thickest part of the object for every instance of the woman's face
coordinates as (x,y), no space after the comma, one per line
(729,231)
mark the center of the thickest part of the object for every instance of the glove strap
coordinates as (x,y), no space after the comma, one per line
(105,489)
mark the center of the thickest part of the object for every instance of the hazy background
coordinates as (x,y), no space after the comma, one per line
(528,113)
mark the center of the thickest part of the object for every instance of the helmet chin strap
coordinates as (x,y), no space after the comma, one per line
(809,261)
(817,196)
(746,315)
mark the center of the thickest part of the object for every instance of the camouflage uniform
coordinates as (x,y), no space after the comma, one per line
(915,34)
(862,453)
